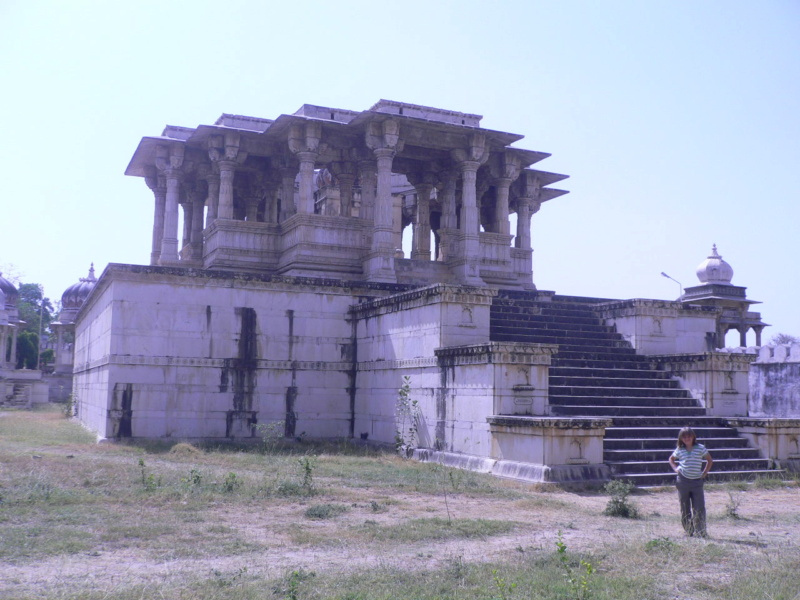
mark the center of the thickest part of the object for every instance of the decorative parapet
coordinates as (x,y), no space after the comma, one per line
(548,422)
(779,353)
(706,361)
(651,308)
(433,294)
(496,353)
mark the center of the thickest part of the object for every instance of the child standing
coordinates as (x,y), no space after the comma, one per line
(687,462)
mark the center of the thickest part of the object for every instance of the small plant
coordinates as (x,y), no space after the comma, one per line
(231,483)
(292,589)
(195,479)
(307,465)
(377,507)
(732,507)
(659,545)
(618,505)
(503,588)
(271,435)
(407,413)
(578,579)
(149,481)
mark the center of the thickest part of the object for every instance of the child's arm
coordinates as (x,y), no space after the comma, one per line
(709,463)
(672,463)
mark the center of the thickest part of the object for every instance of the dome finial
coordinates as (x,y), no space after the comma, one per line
(714,269)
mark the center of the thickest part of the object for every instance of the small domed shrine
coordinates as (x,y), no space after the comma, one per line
(8,323)
(64,329)
(716,290)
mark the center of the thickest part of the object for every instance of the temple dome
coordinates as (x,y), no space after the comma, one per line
(714,269)
(75,295)
(9,291)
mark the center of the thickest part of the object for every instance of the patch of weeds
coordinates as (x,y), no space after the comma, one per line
(185,449)
(578,578)
(231,483)
(228,579)
(619,505)
(325,511)
(377,507)
(768,483)
(289,589)
(732,507)
(436,529)
(306,486)
(660,545)
(272,435)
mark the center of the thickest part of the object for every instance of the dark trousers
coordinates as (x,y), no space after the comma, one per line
(693,505)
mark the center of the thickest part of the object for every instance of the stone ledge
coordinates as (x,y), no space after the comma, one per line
(548,422)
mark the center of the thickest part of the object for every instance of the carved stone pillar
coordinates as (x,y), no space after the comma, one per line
(449,218)
(469,160)
(344,171)
(383,138)
(508,172)
(188,214)
(304,141)
(158,184)
(368,179)
(421,242)
(169,160)
(198,208)
(225,152)
(212,200)
(528,204)
(288,208)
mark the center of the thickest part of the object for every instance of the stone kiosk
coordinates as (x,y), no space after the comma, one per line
(278,291)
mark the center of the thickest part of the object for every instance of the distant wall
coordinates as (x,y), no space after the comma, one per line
(775,382)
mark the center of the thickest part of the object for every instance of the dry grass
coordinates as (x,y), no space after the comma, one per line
(81,520)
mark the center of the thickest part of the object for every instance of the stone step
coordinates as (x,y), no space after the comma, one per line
(574,336)
(622,401)
(526,319)
(645,480)
(632,411)
(662,466)
(704,426)
(669,443)
(616,363)
(663,454)
(608,391)
(626,381)
(589,373)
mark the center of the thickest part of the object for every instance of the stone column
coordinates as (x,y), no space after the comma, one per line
(421,241)
(508,172)
(368,179)
(304,141)
(449,218)
(469,160)
(188,214)
(158,184)
(225,152)
(198,208)
(383,138)
(169,160)
(344,171)
(288,208)
(212,201)
(528,188)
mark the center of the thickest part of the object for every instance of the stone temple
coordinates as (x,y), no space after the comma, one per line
(278,292)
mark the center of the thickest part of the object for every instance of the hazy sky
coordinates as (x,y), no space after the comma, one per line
(678,122)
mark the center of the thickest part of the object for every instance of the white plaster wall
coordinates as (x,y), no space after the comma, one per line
(172,337)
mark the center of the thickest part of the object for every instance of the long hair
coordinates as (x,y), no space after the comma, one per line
(683,432)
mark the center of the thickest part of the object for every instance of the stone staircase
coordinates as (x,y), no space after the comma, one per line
(596,373)
(18,396)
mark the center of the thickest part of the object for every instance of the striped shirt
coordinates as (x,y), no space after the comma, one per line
(690,462)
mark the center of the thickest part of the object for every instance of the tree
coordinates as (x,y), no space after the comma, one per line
(27,350)
(29,304)
(784,338)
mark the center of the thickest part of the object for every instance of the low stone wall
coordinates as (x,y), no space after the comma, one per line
(775,382)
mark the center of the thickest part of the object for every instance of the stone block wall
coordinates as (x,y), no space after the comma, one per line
(775,382)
